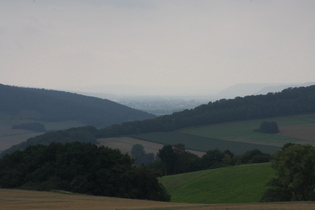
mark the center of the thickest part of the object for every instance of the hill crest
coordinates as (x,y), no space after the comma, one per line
(53,105)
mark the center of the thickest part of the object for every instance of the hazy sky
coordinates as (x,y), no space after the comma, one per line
(155,46)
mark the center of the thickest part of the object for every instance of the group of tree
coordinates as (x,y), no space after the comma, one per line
(294,165)
(287,102)
(140,156)
(80,168)
(174,159)
(268,127)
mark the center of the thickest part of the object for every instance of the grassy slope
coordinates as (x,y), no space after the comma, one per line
(237,184)
(236,136)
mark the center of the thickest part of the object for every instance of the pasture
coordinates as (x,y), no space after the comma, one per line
(22,199)
(235,184)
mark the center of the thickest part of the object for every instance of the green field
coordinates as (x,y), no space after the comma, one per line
(243,130)
(236,136)
(237,184)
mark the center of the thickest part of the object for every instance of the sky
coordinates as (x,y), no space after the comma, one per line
(155,46)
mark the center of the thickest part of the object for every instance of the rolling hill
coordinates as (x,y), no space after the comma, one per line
(55,110)
(225,124)
(52,106)
(236,184)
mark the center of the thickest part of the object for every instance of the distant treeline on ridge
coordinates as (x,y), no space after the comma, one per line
(290,101)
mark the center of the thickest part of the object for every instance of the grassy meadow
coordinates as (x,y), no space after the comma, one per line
(236,184)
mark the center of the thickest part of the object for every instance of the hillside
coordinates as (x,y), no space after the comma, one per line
(57,106)
(239,136)
(223,124)
(291,101)
(236,184)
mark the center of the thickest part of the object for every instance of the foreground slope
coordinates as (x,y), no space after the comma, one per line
(237,184)
(22,199)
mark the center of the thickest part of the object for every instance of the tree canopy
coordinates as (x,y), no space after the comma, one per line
(81,168)
(295,174)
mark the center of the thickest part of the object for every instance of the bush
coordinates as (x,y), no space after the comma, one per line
(268,127)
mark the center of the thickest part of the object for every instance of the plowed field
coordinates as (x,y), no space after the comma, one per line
(304,131)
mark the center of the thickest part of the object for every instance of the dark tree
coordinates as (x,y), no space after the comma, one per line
(168,157)
(268,127)
(138,153)
(81,168)
(295,174)
(213,159)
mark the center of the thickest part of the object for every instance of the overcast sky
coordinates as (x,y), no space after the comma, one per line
(155,46)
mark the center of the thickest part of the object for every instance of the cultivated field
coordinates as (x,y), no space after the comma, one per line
(240,136)
(305,132)
(10,137)
(22,199)
(124,144)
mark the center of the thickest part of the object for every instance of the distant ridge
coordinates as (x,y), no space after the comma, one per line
(52,105)
(290,101)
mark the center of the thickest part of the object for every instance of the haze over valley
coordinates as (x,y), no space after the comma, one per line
(206,102)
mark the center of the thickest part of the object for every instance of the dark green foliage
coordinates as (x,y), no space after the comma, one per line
(268,127)
(295,174)
(81,168)
(254,156)
(175,159)
(169,158)
(54,105)
(140,156)
(33,126)
(213,159)
(287,102)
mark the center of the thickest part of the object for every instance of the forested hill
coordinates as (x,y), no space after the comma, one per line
(52,105)
(290,101)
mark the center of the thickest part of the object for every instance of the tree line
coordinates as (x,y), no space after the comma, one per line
(80,168)
(175,159)
(287,102)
